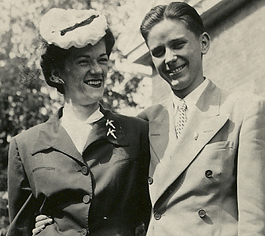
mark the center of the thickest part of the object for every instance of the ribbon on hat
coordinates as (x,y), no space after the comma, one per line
(83,23)
(67,28)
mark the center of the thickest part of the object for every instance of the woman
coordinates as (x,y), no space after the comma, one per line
(85,167)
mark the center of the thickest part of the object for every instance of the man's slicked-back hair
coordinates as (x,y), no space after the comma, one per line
(174,11)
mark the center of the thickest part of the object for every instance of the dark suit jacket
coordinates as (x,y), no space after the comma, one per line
(102,192)
(212,180)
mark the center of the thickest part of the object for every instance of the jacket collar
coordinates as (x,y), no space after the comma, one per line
(52,135)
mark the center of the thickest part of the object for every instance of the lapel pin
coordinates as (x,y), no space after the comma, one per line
(111,132)
(110,123)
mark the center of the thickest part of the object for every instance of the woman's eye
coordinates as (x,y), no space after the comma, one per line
(103,60)
(158,51)
(83,62)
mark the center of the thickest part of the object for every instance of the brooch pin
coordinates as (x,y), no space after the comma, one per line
(110,123)
(112,129)
(111,132)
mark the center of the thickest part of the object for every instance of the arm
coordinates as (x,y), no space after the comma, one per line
(251,171)
(21,201)
(143,115)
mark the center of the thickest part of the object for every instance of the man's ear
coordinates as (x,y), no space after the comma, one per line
(205,42)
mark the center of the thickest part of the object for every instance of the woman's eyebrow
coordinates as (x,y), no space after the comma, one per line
(88,56)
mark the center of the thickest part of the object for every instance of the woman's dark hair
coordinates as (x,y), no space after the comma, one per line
(54,57)
(174,11)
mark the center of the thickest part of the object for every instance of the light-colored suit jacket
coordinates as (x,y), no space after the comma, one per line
(211,181)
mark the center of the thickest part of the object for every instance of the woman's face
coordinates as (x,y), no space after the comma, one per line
(84,72)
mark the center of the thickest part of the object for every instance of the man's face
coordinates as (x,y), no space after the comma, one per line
(84,73)
(177,55)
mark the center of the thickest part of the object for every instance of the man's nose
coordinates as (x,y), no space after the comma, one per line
(95,68)
(170,58)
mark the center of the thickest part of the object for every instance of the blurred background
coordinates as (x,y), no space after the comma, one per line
(235,61)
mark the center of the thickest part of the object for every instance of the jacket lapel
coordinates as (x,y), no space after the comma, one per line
(159,132)
(108,128)
(204,123)
(53,135)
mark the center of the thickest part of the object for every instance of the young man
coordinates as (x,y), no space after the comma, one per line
(207,146)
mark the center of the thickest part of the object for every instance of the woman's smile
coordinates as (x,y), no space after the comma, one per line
(94,83)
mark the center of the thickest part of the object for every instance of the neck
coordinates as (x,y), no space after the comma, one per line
(184,92)
(82,112)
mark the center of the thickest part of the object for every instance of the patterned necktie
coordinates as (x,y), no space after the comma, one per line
(181,118)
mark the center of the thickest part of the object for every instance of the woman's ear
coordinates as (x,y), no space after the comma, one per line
(55,77)
(205,42)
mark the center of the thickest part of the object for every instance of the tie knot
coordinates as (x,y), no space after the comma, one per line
(182,105)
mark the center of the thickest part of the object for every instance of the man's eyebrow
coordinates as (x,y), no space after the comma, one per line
(178,40)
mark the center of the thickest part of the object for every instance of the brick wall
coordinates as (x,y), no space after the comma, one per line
(236,59)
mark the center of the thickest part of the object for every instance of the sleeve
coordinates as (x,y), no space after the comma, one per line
(21,202)
(143,115)
(145,210)
(251,171)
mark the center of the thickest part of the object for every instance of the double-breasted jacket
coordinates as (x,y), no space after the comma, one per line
(210,181)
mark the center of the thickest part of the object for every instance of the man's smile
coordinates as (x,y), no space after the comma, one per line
(176,70)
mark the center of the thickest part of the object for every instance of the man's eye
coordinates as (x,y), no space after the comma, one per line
(176,46)
(158,51)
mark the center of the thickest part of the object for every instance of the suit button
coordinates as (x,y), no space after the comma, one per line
(157,216)
(150,180)
(202,213)
(196,136)
(84,232)
(208,173)
(86,199)
(84,170)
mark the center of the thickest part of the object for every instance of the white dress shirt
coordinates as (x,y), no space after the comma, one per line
(78,130)
(191,99)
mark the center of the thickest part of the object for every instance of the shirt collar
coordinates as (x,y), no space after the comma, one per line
(69,117)
(192,98)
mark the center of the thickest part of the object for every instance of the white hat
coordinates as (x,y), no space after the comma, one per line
(67,28)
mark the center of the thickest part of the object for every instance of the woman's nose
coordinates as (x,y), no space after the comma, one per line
(95,68)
